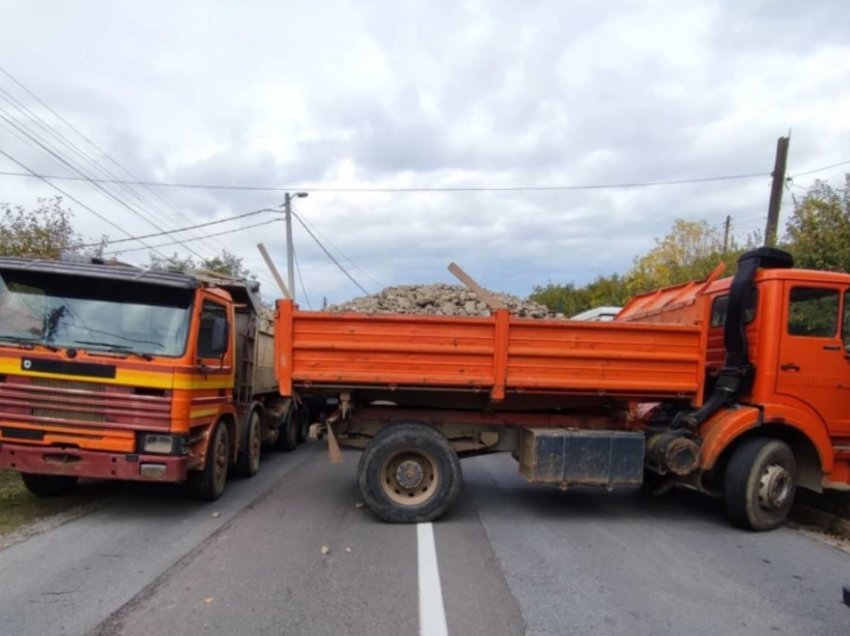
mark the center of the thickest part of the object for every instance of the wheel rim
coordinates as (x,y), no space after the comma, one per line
(220,460)
(775,487)
(410,477)
(255,443)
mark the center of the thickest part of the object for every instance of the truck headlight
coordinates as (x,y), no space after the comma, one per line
(163,444)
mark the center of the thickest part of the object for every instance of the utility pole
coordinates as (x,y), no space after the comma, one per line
(726,234)
(290,250)
(776,191)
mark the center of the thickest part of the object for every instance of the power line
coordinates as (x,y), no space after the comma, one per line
(91,143)
(183,229)
(549,188)
(341,253)
(329,255)
(808,172)
(238,229)
(75,200)
(52,152)
(301,280)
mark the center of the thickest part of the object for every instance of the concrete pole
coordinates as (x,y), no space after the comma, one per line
(290,253)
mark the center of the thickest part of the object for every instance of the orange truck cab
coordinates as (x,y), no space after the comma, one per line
(779,345)
(116,372)
(737,388)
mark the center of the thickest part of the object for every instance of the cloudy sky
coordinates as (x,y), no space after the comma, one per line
(332,94)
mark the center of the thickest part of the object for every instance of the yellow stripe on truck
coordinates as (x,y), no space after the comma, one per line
(129,377)
(195,413)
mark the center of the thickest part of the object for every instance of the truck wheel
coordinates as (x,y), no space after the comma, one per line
(303,420)
(49,485)
(409,473)
(760,483)
(208,484)
(287,438)
(248,463)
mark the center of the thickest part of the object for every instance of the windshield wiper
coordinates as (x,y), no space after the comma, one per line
(27,343)
(115,348)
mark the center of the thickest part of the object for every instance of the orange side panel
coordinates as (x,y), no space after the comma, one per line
(634,360)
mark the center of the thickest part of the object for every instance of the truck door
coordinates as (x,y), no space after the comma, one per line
(813,354)
(213,342)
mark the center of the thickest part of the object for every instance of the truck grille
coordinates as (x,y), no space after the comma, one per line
(55,403)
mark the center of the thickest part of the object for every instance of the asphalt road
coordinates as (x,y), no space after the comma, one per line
(513,558)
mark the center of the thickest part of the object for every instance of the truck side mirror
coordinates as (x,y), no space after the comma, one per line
(218,336)
(212,336)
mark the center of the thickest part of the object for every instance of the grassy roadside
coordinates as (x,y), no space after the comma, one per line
(18,507)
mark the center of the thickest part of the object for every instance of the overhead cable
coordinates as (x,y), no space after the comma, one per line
(183,229)
(56,155)
(237,229)
(351,190)
(75,200)
(91,143)
(329,255)
(300,279)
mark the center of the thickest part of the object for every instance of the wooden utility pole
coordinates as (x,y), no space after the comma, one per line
(776,191)
(726,233)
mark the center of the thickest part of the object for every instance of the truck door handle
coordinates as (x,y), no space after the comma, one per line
(790,366)
(832,347)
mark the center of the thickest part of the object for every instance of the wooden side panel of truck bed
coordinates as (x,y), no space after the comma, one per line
(498,354)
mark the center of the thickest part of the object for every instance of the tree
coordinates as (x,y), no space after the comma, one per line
(690,251)
(173,263)
(43,232)
(229,264)
(818,232)
(226,263)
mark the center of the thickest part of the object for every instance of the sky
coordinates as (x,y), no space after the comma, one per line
(380,94)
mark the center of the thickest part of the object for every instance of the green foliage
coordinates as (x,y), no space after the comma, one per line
(226,263)
(818,232)
(690,251)
(45,231)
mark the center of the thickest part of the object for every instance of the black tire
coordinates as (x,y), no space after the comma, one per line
(287,439)
(303,420)
(760,483)
(409,473)
(49,485)
(248,461)
(208,484)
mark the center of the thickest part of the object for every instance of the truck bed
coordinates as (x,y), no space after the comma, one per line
(499,354)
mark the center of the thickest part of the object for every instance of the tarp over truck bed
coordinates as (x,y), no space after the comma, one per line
(499,354)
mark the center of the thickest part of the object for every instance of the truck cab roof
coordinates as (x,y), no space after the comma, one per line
(241,291)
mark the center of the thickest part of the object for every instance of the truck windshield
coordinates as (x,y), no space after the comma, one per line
(93,314)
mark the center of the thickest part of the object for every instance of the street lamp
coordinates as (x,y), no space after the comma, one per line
(290,252)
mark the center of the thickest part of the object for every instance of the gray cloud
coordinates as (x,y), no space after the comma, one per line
(418,93)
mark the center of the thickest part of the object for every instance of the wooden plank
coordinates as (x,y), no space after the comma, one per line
(492,302)
(273,269)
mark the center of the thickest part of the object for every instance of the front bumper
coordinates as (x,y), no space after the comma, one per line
(100,465)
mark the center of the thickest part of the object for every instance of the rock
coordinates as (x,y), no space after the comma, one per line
(325,550)
(439,299)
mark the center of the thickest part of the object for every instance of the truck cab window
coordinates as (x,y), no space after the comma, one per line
(720,306)
(212,332)
(813,312)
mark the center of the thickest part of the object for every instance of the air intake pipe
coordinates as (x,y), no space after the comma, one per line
(737,370)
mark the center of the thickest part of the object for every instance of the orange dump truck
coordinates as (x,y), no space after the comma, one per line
(737,388)
(111,371)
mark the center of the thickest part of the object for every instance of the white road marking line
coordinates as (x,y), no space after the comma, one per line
(432,614)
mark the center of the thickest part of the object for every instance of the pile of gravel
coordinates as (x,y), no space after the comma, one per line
(438,299)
